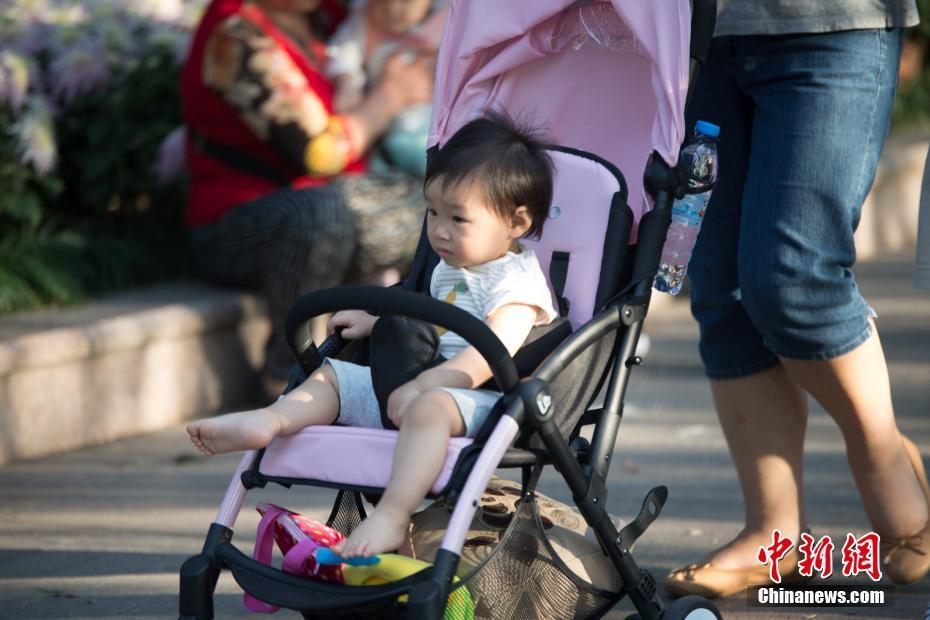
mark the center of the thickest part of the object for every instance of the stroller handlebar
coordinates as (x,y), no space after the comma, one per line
(395,300)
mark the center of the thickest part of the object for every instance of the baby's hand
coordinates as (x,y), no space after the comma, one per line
(353,323)
(399,400)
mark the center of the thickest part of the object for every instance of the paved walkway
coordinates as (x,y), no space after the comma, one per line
(100,533)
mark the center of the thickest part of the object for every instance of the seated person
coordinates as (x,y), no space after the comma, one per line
(279,198)
(488,186)
(374,30)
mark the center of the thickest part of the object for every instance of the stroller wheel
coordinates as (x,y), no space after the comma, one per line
(687,608)
(691,608)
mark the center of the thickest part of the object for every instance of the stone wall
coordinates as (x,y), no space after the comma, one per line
(128,364)
(889,215)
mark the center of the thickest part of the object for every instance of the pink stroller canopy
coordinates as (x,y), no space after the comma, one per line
(608,77)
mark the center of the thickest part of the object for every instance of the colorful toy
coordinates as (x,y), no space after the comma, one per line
(328,557)
(306,544)
(393,567)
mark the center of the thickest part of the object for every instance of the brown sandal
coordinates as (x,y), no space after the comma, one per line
(907,559)
(710,582)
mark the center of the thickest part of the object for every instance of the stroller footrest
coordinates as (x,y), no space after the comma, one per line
(293,592)
(652,506)
(360,457)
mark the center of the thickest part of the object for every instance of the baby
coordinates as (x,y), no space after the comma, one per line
(489,186)
(357,52)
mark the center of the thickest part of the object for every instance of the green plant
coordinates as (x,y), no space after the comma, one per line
(88,93)
(912,104)
(921,30)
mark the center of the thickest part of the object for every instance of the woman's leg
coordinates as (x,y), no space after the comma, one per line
(818,150)
(315,402)
(389,209)
(814,152)
(855,390)
(287,244)
(418,457)
(762,413)
(763,417)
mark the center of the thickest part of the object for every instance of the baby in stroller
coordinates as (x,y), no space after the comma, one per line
(489,186)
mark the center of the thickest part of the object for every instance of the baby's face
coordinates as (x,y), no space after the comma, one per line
(398,16)
(464,230)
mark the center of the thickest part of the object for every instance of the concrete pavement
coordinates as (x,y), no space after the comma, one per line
(100,533)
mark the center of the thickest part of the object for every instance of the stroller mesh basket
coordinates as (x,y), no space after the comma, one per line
(522,576)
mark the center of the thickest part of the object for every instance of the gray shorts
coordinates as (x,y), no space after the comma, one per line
(359,407)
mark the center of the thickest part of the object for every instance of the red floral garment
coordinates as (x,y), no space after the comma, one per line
(254,75)
(239,50)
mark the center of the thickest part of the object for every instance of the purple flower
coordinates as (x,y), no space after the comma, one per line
(78,71)
(35,137)
(34,38)
(171,159)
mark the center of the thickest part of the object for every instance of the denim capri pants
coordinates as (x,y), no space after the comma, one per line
(803,119)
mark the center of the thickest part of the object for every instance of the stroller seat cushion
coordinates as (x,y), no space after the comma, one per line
(579,225)
(359,457)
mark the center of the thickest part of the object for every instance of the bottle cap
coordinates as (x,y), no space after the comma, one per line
(707,129)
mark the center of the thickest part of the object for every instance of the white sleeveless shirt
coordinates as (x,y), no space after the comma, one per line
(482,289)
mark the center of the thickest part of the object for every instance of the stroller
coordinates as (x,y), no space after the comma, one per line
(608,77)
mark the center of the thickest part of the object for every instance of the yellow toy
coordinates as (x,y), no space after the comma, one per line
(394,567)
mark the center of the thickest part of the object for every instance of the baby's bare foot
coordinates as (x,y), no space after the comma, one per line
(248,430)
(382,532)
(193,430)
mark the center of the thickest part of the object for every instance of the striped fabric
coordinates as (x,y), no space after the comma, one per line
(480,290)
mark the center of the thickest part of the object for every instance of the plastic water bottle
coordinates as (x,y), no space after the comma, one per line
(699,161)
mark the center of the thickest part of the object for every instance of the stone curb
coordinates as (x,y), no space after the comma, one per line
(124,322)
(124,365)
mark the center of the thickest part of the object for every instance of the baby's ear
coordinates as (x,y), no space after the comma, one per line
(520,222)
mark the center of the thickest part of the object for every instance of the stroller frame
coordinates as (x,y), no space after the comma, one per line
(583,466)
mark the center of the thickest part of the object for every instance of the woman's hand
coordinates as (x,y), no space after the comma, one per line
(354,324)
(404,81)
(400,400)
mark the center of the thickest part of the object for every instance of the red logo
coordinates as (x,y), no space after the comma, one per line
(815,557)
(860,555)
(779,548)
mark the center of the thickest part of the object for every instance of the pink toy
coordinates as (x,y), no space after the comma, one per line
(298,537)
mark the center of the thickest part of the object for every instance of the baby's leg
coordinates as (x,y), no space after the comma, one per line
(421,449)
(315,401)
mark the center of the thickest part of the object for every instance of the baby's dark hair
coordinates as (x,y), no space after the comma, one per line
(505,159)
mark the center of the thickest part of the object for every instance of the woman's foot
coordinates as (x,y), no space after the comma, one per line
(384,531)
(248,430)
(907,559)
(733,568)
(741,552)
